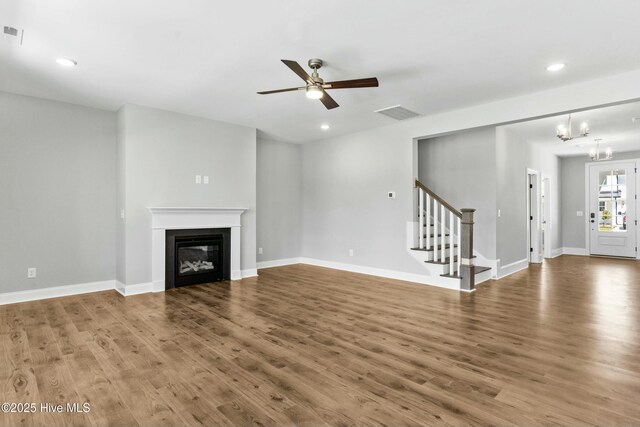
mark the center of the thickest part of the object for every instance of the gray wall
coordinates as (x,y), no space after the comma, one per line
(279,200)
(162,153)
(513,156)
(573,197)
(57,193)
(345,204)
(461,168)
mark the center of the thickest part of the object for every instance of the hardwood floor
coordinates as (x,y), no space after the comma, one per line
(558,344)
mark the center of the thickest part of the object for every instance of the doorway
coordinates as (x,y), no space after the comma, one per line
(612,209)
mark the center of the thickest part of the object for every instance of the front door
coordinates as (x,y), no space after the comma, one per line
(612,204)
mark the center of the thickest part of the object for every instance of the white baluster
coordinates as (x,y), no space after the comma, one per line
(421,219)
(442,234)
(451,251)
(428,221)
(435,230)
(459,245)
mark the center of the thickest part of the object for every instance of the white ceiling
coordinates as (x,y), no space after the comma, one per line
(611,124)
(208,58)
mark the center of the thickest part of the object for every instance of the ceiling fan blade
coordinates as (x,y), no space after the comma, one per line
(267,92)
(328,101)
(348,84)
(296,68)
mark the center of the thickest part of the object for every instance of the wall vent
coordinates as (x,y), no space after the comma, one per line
(397,112)
(12,34)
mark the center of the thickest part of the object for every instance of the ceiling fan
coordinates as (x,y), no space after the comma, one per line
(316,87)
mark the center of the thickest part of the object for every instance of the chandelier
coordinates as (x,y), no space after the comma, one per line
(595,152)
(565,133)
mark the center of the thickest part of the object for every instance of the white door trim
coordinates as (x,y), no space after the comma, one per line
(533,256)
(587,196)
(546,184)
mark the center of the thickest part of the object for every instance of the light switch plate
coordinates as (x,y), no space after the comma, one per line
(259,251)
(579,213)
(198,179)
(206,179)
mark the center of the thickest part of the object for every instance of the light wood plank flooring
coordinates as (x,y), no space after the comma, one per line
(558,344)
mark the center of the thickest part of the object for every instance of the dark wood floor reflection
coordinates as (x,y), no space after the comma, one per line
(558,344)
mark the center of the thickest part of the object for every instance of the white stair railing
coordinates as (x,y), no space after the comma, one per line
(436,219)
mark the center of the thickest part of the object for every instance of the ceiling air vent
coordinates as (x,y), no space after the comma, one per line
(12,34)
(397,112)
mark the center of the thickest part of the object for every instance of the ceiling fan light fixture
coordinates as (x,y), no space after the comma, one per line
(314,92)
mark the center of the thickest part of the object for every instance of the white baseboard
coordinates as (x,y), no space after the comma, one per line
(514,267)
(574,251)
(423,279)
(250,272)
(278,263)
(556,252)
(136,289)
(55,292)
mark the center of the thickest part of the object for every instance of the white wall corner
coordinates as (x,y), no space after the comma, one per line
(556,252)
(574,251)
(412,234)
(250,272)
(55,292)
(137,289)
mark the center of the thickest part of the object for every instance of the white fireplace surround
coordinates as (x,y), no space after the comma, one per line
(177,218)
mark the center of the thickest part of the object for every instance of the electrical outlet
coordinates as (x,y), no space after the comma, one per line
(206,179)
(198,179)
(259,251)
(32,273)
(350,252)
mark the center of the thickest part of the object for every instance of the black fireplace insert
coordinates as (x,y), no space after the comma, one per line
(197,256)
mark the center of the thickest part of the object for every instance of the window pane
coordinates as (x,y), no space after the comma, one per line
(612,201)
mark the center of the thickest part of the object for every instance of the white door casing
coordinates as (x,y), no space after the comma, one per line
(612,209)
(534,230)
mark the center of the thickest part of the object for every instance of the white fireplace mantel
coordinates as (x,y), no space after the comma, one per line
(176,218)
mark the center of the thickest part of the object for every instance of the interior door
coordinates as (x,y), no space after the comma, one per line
(612,201)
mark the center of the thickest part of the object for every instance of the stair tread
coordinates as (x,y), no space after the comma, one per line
(430,249)
(446,261)
(477,270)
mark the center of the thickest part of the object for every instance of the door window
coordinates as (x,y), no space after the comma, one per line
(612,201)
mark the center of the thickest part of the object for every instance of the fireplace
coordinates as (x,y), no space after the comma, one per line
(197,256)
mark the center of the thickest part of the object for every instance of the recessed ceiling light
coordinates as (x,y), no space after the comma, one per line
(325,127)
(66,62)
(556,67)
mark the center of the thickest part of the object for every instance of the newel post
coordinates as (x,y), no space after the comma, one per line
(466,251)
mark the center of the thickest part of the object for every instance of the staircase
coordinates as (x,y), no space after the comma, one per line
(445,242)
